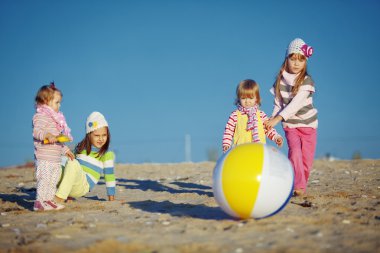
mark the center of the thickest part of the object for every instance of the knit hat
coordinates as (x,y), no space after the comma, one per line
(298,46)
(95,121)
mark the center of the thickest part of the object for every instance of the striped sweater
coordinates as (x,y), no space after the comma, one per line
(43,124)
(94,167)
(298,110)
(229,130)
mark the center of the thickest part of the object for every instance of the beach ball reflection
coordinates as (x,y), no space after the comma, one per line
(252,181)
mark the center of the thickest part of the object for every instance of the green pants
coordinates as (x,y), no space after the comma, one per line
(74,182)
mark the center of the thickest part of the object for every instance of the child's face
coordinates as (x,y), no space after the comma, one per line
(248,102)
(55,103)
(99,137)
(296,64)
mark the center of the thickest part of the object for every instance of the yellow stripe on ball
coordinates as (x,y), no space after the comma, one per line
(240,187)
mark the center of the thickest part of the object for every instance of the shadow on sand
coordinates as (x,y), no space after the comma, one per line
(23,197)
(180,210)
(152,185)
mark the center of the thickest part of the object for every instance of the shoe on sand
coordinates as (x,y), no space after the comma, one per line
(299,193)
(54,205)
(47,205)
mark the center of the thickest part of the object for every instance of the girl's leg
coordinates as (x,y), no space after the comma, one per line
(81,186)
(309,142)
(295,157)
(47,175)
(55,175)
(43,174)
(74,182)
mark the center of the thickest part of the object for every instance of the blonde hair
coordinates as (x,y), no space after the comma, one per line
(300,78)
(46,93)
(248,89)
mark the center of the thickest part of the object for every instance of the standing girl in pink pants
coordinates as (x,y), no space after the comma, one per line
(293,106)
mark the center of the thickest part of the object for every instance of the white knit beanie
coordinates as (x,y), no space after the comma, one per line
(95,121)
(298,46)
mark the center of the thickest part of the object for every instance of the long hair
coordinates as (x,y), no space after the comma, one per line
(85,144)
(300,78)
(247,89)
(46,93)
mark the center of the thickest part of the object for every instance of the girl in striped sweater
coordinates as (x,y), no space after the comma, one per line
(293,106)
(93,159)
(245,124)
(48,123)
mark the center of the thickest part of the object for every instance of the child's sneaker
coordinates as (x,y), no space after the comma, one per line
(47,205)
(298,193)
(38,206)
(52,205)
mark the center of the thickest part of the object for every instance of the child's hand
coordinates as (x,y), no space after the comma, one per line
(266,127)
(70,155)
(51,138)
(279,141)
(272,122)
(225,148)
(267,124)
(111,198)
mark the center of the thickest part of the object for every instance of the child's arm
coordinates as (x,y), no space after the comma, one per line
(229,131)
(290,110)
(109,175)
(39,129)
(275,119)
(70,155)
(273,122)
(272,134)
(276,106)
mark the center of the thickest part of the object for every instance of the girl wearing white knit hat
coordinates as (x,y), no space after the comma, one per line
(93,159)
(293,106)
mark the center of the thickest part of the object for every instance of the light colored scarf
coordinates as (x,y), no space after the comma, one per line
(252,121)
(58,117)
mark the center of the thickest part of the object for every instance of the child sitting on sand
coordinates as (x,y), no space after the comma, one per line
(92,160)
(245,124)
(48,124)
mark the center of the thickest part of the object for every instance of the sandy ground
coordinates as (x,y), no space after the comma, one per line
(170,208)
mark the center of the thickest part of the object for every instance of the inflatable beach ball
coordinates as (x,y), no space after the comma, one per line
(252,181)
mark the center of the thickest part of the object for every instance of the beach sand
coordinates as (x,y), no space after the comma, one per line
(171,208)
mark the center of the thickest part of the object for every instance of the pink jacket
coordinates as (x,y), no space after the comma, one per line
(43,124)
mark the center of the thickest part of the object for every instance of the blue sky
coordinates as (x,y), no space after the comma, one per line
(159,70)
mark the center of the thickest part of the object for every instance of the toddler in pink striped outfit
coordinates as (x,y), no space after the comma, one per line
(245,124)
(293,106)
(48,123)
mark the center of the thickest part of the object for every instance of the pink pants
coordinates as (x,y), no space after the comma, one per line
(301,142)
